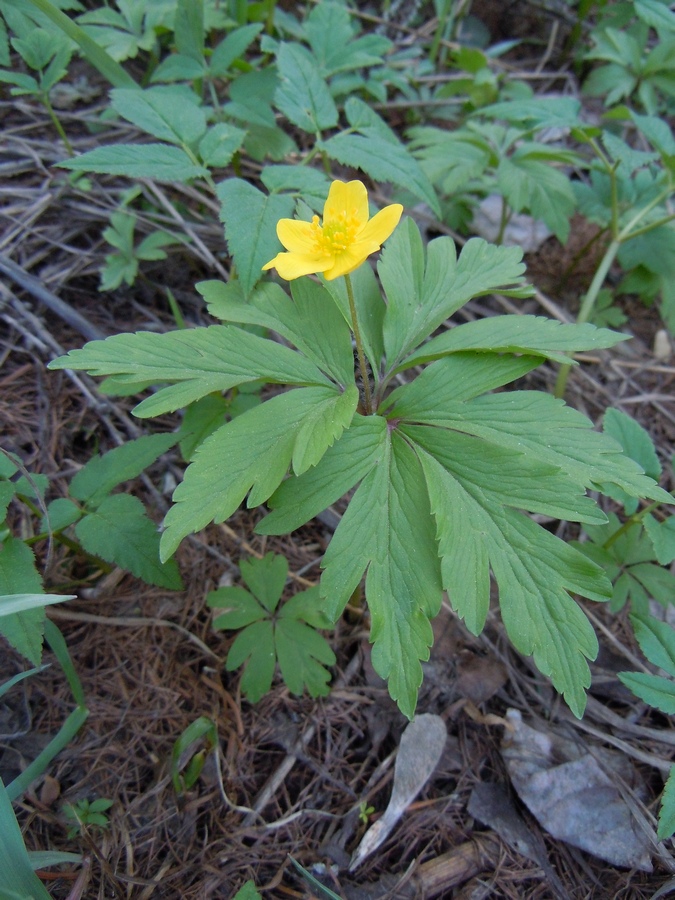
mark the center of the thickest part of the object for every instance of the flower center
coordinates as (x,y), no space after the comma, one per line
(337,235)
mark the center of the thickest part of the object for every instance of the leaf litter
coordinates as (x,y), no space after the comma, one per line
(151,664)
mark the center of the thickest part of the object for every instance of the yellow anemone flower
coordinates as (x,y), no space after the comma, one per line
(345,240)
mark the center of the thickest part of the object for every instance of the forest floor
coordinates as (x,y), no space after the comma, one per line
(293,777)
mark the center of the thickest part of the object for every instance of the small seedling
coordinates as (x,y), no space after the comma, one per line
(287,637)
(85,813)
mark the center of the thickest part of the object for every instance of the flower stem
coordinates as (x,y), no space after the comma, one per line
(359,346)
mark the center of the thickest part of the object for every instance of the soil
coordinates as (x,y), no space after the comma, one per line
(290,777)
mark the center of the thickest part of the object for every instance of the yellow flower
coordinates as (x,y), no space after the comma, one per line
(345,240)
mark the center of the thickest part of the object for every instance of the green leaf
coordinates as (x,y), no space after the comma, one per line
(178,68)
(656,640)
(201,419)
(453,379)
(534,335)
(120,532)
(237,607)
(422,294)
(250,218)
(666,826)
(61,513)
(653,689)
(656,14)
(258,446)
(266,578)
(383,161)
(171,114)
(18,575)
(14,603)
(302,95)
(219,144)
(7,492)
(199,361)
(349,460)
(232,47)
(662,536)
(542,427)
(533,569)
(255,644)
(387,528)
(102,473)
(300,651)
(298,179)
(322,427)
(656,580)
(188,28)
(18,878)
(310,321)
(306,605)
(532,185)
(158,161)
(247,892)
(548,112)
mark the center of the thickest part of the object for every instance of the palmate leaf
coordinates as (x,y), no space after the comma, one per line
(199,361)
(298,500)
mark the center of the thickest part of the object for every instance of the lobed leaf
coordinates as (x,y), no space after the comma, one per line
(348,461)
(258,446)
(199,361)
(534,335)
(422,294)
(655,690)
(266,578)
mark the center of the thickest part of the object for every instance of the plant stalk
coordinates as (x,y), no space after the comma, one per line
(359,346)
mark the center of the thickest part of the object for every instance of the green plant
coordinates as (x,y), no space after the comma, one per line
(122,265)
(483,156)
(268,635)
(186,761)
(657,642)
(85,813)
(18,864)
(628,195)
(632,64)
(47,53)
(635,552)
(442,468)
(365,812)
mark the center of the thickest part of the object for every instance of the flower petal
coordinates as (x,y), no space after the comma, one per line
(296,236)
(348,260)
(350,198)
(293,265)
(380,227)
